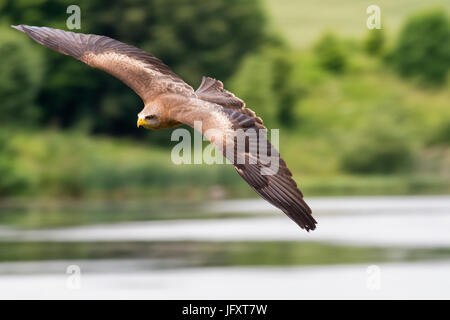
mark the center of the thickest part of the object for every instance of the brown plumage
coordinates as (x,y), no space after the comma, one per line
(169,101)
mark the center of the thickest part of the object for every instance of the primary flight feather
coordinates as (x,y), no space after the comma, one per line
(169,101)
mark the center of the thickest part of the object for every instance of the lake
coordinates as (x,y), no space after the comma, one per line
(364,247)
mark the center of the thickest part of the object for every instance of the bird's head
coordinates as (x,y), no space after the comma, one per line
(149,118)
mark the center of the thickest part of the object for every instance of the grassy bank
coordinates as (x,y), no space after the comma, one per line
(70,165)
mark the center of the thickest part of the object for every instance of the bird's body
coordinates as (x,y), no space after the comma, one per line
(169,102)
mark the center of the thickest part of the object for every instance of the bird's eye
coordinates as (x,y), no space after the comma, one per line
(150,117)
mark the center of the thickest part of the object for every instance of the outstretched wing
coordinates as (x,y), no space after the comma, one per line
(146,75)
(272,180)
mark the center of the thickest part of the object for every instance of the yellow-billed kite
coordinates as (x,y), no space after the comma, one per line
(169,101)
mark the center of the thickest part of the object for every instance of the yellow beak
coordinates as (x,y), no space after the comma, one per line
(140,122)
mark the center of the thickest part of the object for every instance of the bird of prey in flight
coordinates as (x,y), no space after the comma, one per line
(169,101)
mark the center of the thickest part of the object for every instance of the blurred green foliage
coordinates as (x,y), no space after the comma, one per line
(331,54)
(193,37)
(21,68)
(441,134)
(382,146)
(11,180)
(423,47)
(265,81)
(375,41)
(49,163)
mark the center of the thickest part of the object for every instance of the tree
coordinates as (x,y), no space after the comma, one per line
(423,47)
(374,42)
(21,70)
(330,53)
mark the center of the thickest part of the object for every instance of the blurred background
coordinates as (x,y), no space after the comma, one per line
(364,118)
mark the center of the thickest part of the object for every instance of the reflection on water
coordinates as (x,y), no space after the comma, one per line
(178,254)
(193,241)
(65,214)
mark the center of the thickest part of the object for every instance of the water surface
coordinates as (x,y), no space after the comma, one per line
(190,250)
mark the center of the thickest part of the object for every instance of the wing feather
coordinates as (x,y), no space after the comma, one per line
(145,74)
(278,187)
(212,90)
